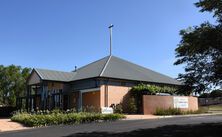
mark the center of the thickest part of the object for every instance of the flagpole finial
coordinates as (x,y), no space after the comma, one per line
(111,25)
(110,30)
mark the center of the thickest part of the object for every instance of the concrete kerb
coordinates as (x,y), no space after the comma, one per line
(138,117)
(191,115)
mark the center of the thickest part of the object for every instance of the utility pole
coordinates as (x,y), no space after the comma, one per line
(110,30)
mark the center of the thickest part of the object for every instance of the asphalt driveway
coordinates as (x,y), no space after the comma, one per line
(117,128)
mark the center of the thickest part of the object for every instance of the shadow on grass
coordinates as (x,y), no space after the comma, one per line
(200,130)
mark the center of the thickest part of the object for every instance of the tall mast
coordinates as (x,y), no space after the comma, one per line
(110,30)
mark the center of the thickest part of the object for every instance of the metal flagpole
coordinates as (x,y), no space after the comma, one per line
(110,30)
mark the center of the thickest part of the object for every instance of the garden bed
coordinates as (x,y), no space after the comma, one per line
(35,120)
(175,111)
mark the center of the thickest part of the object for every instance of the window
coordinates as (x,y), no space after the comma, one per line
(123,83)
(57,98)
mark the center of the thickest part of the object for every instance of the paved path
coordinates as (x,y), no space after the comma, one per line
(138,117)
(117,126)
(7,125)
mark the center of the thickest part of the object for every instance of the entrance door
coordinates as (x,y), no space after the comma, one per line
(65,102)
(91,100)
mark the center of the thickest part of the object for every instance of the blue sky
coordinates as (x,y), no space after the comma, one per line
(61,34)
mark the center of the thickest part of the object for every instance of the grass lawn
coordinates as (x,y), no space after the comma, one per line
(211,108)
(202,109)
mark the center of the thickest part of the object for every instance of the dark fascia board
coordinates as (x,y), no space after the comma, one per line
(101,77)
(38,73)
(84,79)
(140,81)
(128,80)
(65,82)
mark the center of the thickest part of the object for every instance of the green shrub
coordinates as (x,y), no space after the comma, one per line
(216,93)
(151,89)
(204,95)
(90,109)
(131,106)
(118,108)
(55,111)
(137,92)
(169,111)
(108,117)
(175,111)
(56,118)
(212,94)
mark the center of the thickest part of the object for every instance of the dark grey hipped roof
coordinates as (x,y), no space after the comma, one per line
(109,67)
(119,68)
(55,75)
(91,70)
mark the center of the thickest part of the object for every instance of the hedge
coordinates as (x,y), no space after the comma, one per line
(175,111)
(35,120)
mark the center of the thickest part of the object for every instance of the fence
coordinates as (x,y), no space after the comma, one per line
(209,101)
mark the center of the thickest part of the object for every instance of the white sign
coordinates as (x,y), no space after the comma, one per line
(107,110)
(180,102)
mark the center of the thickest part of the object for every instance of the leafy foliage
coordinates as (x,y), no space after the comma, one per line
(214,6)
(152,89)
(204,95)
(213,94)
(136,93)
(57,118)
(131,106)
(118,108)
(216,93)
(12,83)
(175,111)
(201,50)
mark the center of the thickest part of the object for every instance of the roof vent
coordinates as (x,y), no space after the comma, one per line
(75,69)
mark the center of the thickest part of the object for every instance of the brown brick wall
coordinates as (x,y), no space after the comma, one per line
(152,102)
(91,99)
(73,100)
(193,103)
(116,94)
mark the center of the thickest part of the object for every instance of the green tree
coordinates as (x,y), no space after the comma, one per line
(216,93)
(1,90)
(201,51)
(214,6)
(12,83)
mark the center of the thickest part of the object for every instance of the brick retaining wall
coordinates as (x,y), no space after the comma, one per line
(152,102)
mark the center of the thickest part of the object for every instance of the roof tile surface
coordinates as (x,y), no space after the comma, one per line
(110,67)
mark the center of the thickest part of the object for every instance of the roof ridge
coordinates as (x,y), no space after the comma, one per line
(104,68)
(53,70)
(90,63)
(38,73)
